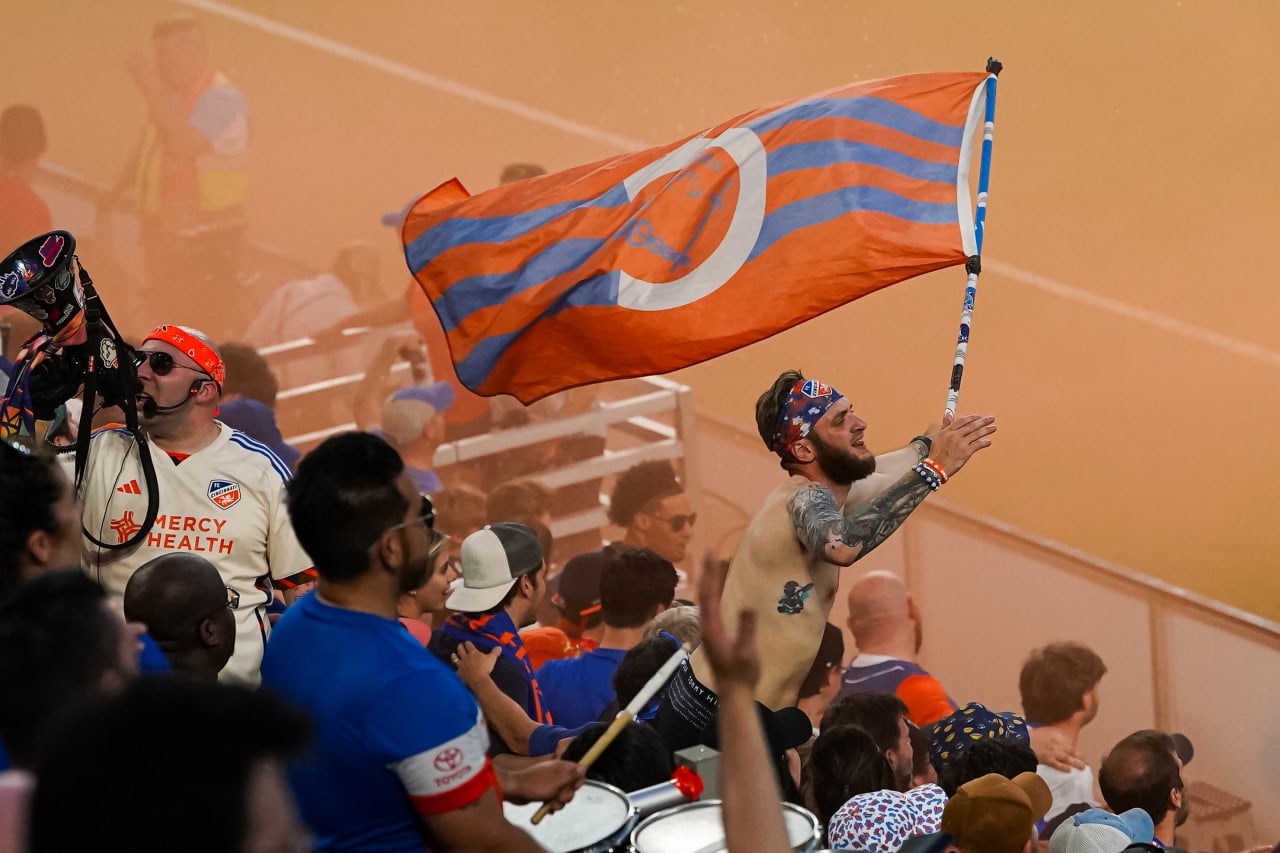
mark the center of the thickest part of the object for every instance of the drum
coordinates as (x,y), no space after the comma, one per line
(596,820)
(698,828)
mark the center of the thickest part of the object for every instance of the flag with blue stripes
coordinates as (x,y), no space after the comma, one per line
(653,261)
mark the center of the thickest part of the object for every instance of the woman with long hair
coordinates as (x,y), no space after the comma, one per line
(417,606)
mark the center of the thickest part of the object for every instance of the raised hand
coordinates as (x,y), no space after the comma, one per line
(959,439)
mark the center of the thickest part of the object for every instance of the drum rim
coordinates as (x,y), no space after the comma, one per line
(810,817)
(624,829)
(613,789)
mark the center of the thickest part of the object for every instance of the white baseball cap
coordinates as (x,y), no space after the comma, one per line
(494,558)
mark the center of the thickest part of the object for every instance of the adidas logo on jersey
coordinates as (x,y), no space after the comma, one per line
(130,488)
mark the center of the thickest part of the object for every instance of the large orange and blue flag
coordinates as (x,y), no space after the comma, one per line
(653,261)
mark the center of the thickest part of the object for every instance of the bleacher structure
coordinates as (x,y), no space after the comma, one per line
(649,418)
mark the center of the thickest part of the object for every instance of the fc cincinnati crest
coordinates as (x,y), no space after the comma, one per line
(814,388)
(224,493)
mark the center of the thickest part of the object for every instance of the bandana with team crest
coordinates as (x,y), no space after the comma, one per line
(806,403)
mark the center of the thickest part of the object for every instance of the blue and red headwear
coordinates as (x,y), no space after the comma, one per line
(807,401)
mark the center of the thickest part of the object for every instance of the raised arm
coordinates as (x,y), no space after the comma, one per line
(889,467)
(376,386)
(842,539)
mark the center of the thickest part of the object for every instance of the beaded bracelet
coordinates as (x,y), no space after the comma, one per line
(937,469)
(930,476)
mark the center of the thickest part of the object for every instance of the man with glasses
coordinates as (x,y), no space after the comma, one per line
(400,759)
(221,494)
(649,501)
(187,609)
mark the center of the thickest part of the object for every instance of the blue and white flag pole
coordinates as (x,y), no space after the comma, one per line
(984,104)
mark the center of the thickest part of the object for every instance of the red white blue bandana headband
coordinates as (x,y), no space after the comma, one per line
(806,403)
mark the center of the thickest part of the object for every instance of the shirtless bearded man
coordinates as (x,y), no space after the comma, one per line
(838,503)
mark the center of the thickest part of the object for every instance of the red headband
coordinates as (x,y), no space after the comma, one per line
(200,352)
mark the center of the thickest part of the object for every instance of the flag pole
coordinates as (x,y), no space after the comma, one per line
(973,266)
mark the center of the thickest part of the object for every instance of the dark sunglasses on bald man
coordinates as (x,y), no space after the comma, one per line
(162,363)
(678,522)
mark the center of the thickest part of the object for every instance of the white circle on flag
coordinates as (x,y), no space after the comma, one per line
(748,154)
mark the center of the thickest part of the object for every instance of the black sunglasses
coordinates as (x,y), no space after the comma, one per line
(162,363)
(678,522)
(427,519)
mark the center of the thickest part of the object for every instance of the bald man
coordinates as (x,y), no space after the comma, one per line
(885,624)
(186,607)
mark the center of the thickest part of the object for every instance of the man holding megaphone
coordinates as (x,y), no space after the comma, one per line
(174,478)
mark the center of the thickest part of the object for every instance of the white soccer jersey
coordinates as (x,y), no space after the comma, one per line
(225,503)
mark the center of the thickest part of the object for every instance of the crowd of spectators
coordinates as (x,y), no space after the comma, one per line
(355,648)
(400,704)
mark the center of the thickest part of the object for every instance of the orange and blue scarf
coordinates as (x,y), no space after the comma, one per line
(497,630)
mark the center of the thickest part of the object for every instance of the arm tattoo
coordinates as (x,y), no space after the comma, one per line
(823,529)
(815,515)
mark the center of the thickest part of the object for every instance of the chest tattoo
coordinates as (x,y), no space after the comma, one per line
(793,597)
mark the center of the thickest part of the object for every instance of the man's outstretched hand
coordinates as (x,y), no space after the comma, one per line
(960,438)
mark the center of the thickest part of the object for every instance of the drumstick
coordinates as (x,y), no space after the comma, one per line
(626,715)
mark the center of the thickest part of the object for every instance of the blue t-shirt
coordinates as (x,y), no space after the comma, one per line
(577,690)
(545,739)
(390,720)
(151,661)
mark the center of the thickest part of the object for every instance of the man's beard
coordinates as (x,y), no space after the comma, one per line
(415,574)
(902,774)
(840,465)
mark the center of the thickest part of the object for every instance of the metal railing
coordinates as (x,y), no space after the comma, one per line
(642,419)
